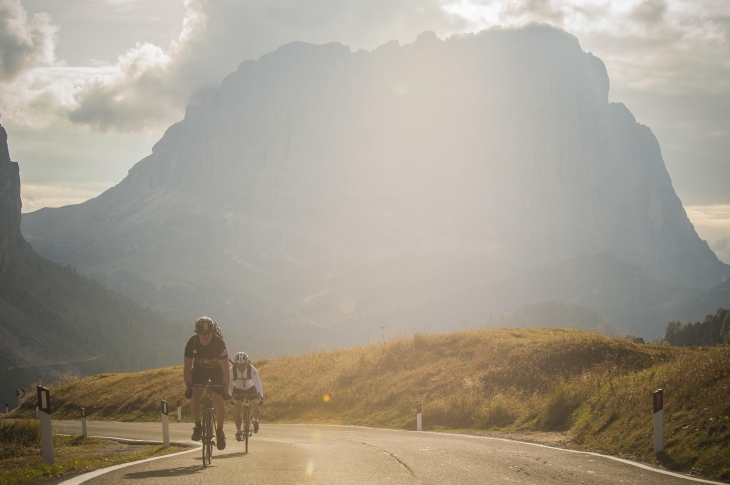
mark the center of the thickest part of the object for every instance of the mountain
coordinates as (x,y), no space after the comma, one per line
(54,321)
(318,194)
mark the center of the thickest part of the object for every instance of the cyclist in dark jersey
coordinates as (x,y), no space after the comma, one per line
(206,358)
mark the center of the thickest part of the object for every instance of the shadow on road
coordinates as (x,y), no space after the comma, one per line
(170,472)
(180,471)
(229,455)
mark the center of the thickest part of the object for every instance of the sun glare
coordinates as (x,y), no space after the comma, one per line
(477,16)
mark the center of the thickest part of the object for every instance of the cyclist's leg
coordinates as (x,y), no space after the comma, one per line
(237,414)
(220,409)
(216,378)
(199,380)
(256,411)
(195,403)
(220,412)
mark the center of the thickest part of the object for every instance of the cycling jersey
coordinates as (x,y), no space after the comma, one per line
(207,356)
(245,380)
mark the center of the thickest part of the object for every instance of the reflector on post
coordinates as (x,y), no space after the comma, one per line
(44,400)
(658,400)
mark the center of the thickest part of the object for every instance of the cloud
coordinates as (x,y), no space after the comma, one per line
(662,46)
(130,96)
(150,84)
(650,12)
(24,44)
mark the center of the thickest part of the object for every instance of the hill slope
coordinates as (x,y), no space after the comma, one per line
(596,389)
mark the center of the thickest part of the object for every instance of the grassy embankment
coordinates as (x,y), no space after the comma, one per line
(595,389)
(21,461)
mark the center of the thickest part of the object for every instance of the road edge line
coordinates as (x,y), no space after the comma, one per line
(101,471)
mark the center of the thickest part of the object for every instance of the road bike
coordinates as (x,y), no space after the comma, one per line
(246,431)
(209,423)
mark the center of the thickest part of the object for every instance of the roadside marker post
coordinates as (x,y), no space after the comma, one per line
(419,419)
(165,426)
(179,411)
(44,410)
(6,408)
(658,420)
(83,422)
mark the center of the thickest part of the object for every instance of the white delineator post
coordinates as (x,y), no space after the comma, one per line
(6,408)
(658,420)
(83,422)
(179,411)
(419,419)
(44,415)
(165,426)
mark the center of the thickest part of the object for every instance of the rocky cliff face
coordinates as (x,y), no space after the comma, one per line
(316,185)
(12,244)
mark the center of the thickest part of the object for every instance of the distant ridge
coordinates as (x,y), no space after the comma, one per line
(54,321)
(318,194)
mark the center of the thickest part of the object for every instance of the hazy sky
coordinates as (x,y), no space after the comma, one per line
(88,86)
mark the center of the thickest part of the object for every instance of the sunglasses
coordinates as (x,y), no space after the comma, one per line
(205,332)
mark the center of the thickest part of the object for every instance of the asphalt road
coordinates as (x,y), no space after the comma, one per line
(320,454)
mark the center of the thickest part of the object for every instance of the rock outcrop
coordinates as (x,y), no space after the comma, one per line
(321,186)
(12,244)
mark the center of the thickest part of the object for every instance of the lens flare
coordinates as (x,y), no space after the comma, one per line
(326,398)
(310,469)
(348,305)
(401,88)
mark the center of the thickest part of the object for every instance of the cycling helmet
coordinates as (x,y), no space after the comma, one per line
(241,358)
(204,324)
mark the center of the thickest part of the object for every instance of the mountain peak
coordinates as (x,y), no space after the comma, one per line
(315,176)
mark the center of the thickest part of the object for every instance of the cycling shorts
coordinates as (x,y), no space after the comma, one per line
(202,374)
(250,394)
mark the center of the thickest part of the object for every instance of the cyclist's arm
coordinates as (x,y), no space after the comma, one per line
(188,371)
(226,374)
(257,381)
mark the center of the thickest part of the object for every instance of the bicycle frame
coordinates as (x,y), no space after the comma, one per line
(245,401)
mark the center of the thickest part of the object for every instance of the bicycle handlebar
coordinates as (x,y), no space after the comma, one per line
(209,387)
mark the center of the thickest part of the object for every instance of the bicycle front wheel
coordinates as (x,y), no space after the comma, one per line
(247,425)
(205,441)
(211,434)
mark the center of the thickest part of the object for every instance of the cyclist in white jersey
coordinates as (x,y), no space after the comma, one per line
(245,383)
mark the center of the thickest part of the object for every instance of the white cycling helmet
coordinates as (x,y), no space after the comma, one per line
(241,358)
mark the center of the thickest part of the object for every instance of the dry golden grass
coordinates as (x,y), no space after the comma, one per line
(597,389)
